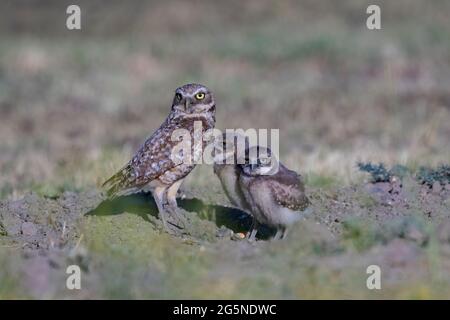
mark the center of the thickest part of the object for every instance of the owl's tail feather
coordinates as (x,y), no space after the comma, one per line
(114,186)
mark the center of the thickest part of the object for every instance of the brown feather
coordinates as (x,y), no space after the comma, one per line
(153,158)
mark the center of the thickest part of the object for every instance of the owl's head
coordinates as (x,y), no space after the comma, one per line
(230,148)
(259,161)
(193,98)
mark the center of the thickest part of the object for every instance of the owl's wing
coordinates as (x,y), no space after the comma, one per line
(289,192)
(150,161)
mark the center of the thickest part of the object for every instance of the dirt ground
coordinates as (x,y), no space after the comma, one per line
(74,106)
(123,251)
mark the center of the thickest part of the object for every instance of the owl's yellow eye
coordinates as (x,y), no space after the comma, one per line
(200,96)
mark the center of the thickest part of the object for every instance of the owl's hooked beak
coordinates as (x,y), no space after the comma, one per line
(187,103)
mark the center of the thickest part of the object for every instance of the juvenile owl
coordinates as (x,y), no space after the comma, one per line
(275,194)
(152,168)
(227,171)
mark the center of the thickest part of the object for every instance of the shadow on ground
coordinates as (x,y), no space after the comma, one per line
(144,205)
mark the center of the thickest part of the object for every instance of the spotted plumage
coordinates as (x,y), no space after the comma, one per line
(275,194)
(155,166)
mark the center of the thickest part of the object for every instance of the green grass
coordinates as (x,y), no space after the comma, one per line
(320,181)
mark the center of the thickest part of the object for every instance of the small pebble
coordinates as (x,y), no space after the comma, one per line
(28,229)
(240,235)
(436,187)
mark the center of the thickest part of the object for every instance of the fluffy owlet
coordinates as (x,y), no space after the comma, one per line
(152,168)
(275,194)
(227,171)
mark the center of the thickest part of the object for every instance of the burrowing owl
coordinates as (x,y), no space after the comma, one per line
(152,168)
(228,172)
(275,194)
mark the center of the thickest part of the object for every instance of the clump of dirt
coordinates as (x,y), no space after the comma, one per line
(40,237)
(435,178)
(34,222)
(381,201)
(379,172)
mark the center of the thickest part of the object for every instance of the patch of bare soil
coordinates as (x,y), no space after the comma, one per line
(394,225)
(43,224)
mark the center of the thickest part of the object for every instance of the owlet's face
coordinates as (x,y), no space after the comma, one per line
(193,98)
(260,161)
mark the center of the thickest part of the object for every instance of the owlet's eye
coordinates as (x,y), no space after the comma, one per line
(178,96)
(200,96)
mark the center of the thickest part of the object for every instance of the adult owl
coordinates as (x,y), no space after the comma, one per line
(153,168)
(275,194)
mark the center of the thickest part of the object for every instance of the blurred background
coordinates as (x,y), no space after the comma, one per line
(74,105)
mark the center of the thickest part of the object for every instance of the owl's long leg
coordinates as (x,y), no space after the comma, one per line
(281,233)
(278,235)
(158,195)
(285,232)
(172,193)
(253,230)
(172,201)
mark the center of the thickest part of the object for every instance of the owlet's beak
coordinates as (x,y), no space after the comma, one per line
(253,166)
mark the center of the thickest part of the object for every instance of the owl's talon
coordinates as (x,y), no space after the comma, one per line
(178,219)
(251,235)
(166,224)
